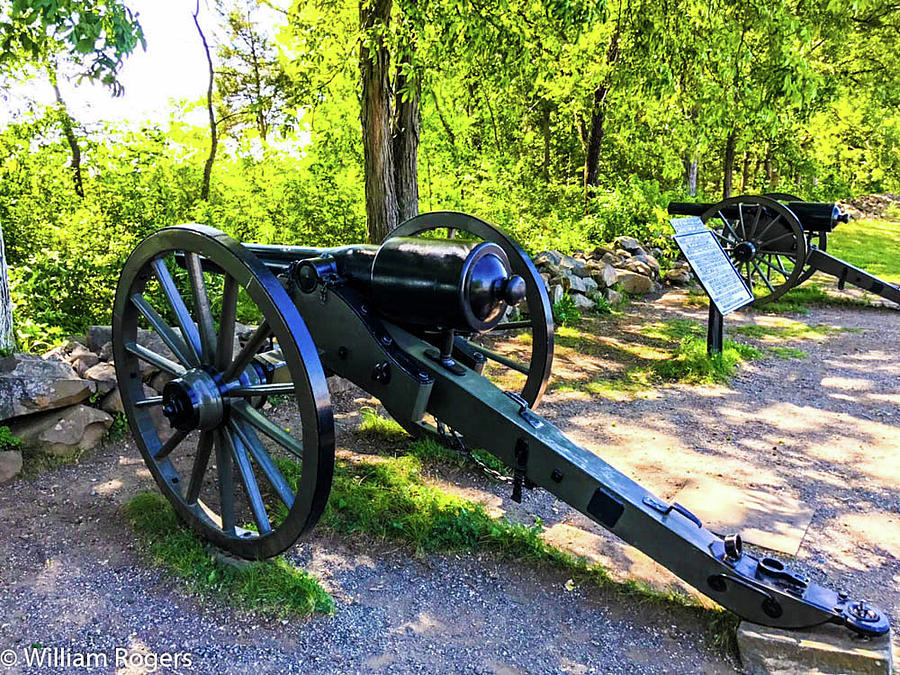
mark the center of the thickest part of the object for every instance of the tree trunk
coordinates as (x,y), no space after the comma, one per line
(728,174)
(594,140)
(382,209)
(545,129)
(7,335)
(690,176)
(406,145)
(745,173)
(69,133)
(213,127)
(771,178)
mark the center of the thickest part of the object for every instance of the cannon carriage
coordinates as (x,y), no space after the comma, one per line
(409,321)
(778,241)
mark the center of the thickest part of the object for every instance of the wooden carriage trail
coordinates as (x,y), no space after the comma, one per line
(822,431)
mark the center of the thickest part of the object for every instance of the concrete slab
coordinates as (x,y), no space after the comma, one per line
(823,649)
(766,517)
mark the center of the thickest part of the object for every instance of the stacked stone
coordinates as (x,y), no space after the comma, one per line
(627,266)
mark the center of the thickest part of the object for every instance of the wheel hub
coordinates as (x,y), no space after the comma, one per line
(193,401)
(745,251)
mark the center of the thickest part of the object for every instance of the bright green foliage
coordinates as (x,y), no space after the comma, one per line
(95,34)
(565,311)
(691,363)
(273,587)
(8,440)
(873,245)
(383,428)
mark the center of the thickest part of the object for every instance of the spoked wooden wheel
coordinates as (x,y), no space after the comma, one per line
(231,471)
(814,239)
(764,240)
(527,367)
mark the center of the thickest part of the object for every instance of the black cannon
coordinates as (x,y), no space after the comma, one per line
(412,322)
(778,241)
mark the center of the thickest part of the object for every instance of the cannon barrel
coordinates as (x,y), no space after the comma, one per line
(432,283)
(813,216)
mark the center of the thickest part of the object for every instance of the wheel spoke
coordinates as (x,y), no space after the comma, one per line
(769,226)
(170,445)
(239,452)
(278,482)
(201,461)
(261,423)
(226,483)
(763,277)
(182,315)
(727,225)
(148,402)
(741,219)
(772,268)
(202,308)
(759,210)
(165,332)
(254,344)
(499,358)
(225,348)
(157,360)
(262,390)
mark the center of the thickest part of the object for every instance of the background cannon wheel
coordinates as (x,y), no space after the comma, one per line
(538,322)
(203,437)
(765,242)
(817,239)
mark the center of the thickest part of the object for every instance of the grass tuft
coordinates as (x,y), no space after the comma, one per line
(380,427)
(273,586)
(692,364)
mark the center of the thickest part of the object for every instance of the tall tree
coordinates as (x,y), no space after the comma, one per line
(213,123)
(249,78)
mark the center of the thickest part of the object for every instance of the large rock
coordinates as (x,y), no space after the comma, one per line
(97,336)
(679,276)
(604,274)
(556,293)
(63,433)
(31,384)
(576,284)
(821,649)
(613,296)
(10,465)
(548,258)
(590,285)
(112,402)
(583,302)
(634,283)
(581,270)
(630,244)
(648,260)
(104,374)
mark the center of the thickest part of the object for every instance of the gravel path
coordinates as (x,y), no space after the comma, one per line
(824,429)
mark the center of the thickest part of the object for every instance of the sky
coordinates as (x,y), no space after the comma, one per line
(174,66)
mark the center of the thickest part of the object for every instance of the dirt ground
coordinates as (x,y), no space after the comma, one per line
(825,430)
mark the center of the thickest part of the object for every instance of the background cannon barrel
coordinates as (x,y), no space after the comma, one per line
(813,216)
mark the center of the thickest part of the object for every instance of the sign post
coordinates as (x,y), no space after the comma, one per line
(724,285)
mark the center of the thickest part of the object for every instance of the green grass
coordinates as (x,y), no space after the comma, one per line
(386,429)
(790,330)
(383,428)
(798,301)
(787,353)
(691,364)
(273,586)
(873,245)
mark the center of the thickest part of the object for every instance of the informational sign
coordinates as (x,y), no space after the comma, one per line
(712,266)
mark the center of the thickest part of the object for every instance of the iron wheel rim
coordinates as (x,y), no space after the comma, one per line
(308,385)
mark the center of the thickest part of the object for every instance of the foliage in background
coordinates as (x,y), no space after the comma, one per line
(519,102)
